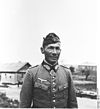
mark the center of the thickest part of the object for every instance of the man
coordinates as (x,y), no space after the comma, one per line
(48,85)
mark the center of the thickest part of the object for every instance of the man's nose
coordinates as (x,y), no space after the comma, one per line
(54,51)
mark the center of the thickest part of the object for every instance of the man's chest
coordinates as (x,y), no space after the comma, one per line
(53,81)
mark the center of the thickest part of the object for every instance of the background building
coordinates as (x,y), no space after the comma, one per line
(13,73)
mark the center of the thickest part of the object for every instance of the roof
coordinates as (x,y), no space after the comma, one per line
(13,67)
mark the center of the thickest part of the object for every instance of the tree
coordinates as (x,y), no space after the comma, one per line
(87,73)
(72,69)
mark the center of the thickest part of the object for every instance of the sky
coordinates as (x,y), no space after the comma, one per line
(24,23)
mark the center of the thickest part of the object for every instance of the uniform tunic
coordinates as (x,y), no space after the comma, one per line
(46,88)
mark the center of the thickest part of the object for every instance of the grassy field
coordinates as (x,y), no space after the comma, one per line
(82,84)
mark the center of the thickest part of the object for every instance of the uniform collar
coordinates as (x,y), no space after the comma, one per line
(50,67)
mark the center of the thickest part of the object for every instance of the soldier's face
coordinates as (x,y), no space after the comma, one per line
(52,53)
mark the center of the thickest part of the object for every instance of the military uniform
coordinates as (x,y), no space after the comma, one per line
(48,87)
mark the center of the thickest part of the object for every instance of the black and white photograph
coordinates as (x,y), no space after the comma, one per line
(48,54)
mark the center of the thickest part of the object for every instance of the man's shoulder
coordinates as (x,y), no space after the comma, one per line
(66,68)
(32,68)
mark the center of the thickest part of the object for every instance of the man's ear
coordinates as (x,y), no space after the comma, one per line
(42,50)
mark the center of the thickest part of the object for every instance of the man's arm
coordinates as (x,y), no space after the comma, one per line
(72,101)
(26,91)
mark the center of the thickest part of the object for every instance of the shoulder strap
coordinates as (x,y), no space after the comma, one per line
(64,66)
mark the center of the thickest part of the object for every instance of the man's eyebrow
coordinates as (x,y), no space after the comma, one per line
(51,47)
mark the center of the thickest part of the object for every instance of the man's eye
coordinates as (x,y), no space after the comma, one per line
(57,48)
(53,48)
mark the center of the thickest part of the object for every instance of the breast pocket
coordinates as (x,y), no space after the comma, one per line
(40,85)
(63,91)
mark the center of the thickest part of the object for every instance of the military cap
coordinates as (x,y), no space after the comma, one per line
(50,39)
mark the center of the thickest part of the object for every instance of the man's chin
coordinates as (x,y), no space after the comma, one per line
(53,61)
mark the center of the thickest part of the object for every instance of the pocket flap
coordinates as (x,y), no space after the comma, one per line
(63,86)
(40,85)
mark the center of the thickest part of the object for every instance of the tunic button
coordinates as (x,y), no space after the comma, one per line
(53,84)
(53,77)
(54,101)
(53,90)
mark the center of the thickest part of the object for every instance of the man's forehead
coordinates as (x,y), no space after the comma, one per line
(55,44)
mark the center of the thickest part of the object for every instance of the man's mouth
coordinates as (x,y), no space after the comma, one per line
(54,58)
